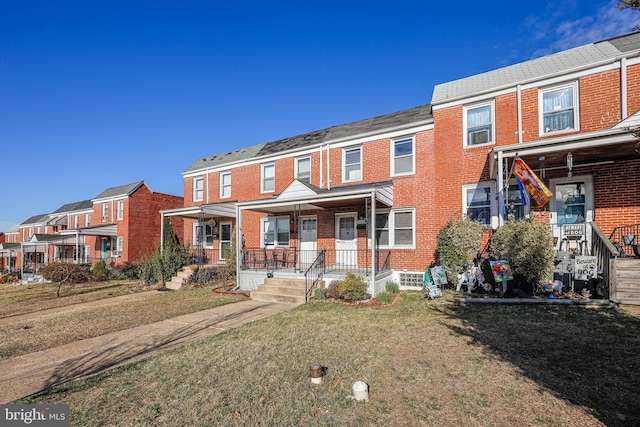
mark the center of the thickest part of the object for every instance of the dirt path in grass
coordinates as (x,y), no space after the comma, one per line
(40,314)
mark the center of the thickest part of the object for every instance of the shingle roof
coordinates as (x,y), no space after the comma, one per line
(365,127)
(35,219)
(123,190)
(512,75)
(77,206)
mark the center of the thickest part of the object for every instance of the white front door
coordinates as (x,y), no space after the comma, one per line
(308,241)
(571,209)
(346,240)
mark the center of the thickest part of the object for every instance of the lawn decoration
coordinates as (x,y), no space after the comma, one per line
(430,282)
(501,274)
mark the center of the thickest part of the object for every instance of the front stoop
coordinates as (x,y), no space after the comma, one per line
(178,280)
(277,289)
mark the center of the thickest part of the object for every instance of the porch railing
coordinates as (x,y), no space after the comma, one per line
(626,239)
(604,250)
(354,260)
(314,274)
(201,256)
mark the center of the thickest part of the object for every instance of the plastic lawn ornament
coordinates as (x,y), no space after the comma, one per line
(501,274)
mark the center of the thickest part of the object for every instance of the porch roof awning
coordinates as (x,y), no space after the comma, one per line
(304,196)
(10,248)
(605,146)
(109,230)
(212,210)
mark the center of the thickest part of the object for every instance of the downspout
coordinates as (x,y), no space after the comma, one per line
(328,167)
(519,107)
(500,188)
(321,166)
(161,233)
(623,87)
(207,184)
(239,243)
(373,244)
(77,261)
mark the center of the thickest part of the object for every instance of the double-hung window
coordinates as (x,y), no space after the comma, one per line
(403,156)
(116,246)
(105,211)
(303,169)
(395,229)
(225,184)
(120,209)
(479,124)
(268,182)
(275,231)
(559,109)
(477,203)
(87,219)
(352,161)
(515,206)
(76,221)
(203,234)
(198,189)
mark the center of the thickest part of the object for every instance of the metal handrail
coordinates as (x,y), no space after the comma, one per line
(627,238)
(317,268)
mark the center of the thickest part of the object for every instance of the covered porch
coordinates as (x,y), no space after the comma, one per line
(311,233)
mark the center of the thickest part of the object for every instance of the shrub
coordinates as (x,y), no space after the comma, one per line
(203,276)
(128,271)
(384,298)
(392,287)
(100,271)
(529,249)
(320,294)
(333,290)
(67,274)
(459,242)
(353,288)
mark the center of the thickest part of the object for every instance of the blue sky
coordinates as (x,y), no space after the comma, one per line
(100,94)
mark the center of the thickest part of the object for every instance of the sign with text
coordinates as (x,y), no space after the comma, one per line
(586,267)
(34,415)
(574,230)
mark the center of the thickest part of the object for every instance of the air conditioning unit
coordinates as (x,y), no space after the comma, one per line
(479,137)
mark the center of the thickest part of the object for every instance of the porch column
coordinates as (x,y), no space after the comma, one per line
(238,242)
(500,189)
(374,248)
(161,232)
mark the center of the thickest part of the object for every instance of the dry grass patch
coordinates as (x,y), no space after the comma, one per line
(39,331)
(426,363)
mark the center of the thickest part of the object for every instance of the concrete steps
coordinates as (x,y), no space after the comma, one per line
(277,289)
(177,280)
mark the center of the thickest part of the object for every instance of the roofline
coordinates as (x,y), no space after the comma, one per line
(605,61)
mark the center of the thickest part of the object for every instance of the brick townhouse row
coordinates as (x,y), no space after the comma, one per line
(119,225)
(372,195)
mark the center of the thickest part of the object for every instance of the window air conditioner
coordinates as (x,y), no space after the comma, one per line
(479,137)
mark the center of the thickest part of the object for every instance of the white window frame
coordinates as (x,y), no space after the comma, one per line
(264,178)
(493,209)
(87,219)
(513,187)
(76,221)
(576,104)
(392,228)
(198,188)
(345,176)
(117,244)
(412,155)
(105,211)
(225,189)
(297,169)
(120,206)
(264,227)
(465,119)
(208,226)
(222,242)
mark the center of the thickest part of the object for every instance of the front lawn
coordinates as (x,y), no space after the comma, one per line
(426,363)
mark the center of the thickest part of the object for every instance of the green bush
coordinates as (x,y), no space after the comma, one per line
(100,271)
(320,294)
(353,288)
(459,242)
(392,287)
(528,247)
(126,271)
(384,298)
(204,276)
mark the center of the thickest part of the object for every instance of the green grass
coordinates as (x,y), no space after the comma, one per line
(426,363)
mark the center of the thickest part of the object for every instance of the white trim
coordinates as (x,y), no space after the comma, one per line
(413,155)
(344,163)
(576,107)
(465,109)
(220,241)
(296,161)
(589,203)
(493,208)
(262,177)
(222,174)
(195,188)
(392,228)
(263,230)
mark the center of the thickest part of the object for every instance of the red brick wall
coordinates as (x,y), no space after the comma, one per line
(600,101)
(633,88)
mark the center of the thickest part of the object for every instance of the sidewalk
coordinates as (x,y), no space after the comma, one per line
(24,375)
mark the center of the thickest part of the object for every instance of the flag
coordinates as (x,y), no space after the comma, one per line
(539,193)
(524,196)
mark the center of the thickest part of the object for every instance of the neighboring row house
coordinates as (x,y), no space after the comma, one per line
(371,196)
(121,224)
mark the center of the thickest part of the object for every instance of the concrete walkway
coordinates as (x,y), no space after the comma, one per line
(28,374)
